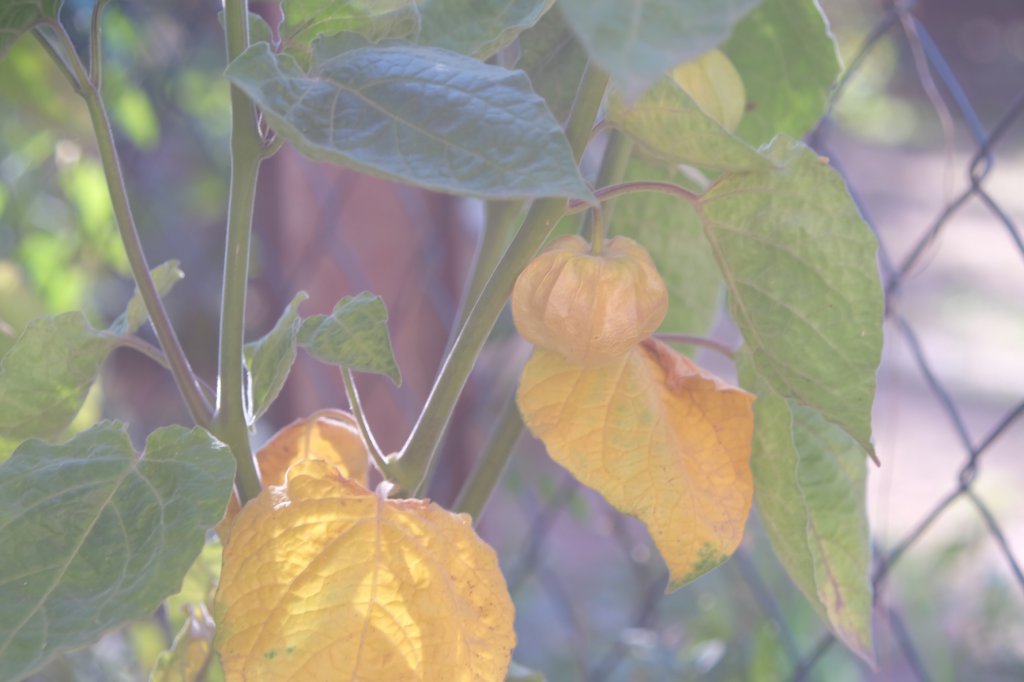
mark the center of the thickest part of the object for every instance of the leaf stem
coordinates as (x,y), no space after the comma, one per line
(489,468)
(178,363)
(620,189)
(152,352)
(419,450)
(95,45)
(699,341)
(247,151)
(58,58)
(499,225)
(356,405)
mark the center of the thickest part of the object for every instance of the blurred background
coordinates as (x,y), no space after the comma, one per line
(927,127)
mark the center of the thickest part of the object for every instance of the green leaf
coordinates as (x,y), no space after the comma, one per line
(46,375)
(670,126)
(19,16)
(165,276)
(304,20)
(554,60)
(271,358)
(420,115)
(672,232)
(102,535)
(810,482)
(478,28)
(639,40)
(354,335)
(788,60)
(799,264)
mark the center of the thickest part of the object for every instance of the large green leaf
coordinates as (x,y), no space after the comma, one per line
(670,126)
(638,40)
(672,232)
(788,61)
(421,115)
(95,535)
(810,482)
(270,358)
(799,264)
(165,276)
(354,335)
(554,60)
(46,375)
(18,16)
(478,28)
(304,20)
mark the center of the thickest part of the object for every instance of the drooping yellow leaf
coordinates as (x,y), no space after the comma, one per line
(189,655)
(325,581)
(331,435)
(659,437)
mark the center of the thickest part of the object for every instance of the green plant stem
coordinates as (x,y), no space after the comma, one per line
(623,188)
(143,347)
(356,405)
(95,46)
(180,368)
(700,342)
(247,151)
(613,168)
(58,58)
(477,490)
(419,450)
(499,226)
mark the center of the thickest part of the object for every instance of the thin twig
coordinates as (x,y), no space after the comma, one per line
(623,188)
(699,341)
(356,405)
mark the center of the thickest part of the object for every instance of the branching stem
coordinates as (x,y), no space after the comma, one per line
(179,365)
(356,405)
(418,453)
(620,189)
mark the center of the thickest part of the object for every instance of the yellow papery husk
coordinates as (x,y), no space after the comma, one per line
(324,580)
(590,308)
(330,435)
(660,438)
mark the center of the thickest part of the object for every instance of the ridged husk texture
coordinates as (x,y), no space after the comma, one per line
(590,308)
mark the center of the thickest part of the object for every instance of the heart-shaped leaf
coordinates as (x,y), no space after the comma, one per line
(270,358)
(354,335)
(479,28)
(421,115)
(97,536)
(639,40)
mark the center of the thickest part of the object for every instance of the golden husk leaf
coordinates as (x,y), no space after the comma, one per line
(659,437)
(590,308)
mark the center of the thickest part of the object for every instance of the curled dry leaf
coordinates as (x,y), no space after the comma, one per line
(324,581)
(659,437)
(330,435)
(590,308)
